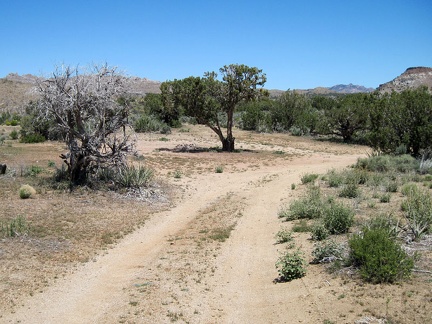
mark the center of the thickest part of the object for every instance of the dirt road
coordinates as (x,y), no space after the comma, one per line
(170,270)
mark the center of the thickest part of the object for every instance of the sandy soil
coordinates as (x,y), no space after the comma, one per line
(179,267)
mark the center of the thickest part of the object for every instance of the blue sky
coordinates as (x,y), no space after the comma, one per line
(298,44)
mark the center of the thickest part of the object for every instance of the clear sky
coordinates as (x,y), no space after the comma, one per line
(298,44)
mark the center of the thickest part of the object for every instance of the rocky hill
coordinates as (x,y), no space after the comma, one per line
(17,90)
(413,77)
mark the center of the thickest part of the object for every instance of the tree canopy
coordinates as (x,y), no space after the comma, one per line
(212,101)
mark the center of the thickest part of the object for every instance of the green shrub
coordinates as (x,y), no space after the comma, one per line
(379,257)
(328,251)
(319,232)
(335,179)
(219,169)
(302,226)
(309,207)
(309,178)
(150,124)
(385,198)
(291,265)
(14,134)
(350,190)
(283,236)
(33,171)
(391,186)
(338,218)
(409,189)
(386,163)
(32,138)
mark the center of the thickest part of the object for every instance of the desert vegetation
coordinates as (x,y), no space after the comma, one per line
(352,236)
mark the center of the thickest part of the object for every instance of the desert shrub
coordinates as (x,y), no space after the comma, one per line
(428,177)
(150,124)
(14,134)
(386,163)
(384,222)
(409,189)
(355,176)
(302,226)
(291,265)
(335,179)
(25,191)
(379,257)
(327,251)
(391,186)
(319,232)
(130,176)
(219,169)
(308,178)
(15,227)
(385,198)
(350,190)
(425,164)
(284,235)
(32,138)
(309,207)
(32,171)
(338,218)
(296,131)
(417,210)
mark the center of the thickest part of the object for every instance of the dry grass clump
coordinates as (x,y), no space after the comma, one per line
(26,191)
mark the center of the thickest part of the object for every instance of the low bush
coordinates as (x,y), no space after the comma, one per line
(283,236)
(308,207)
(309,178)
(335,179)
(33,171)
(319,232)
(14,134)
(350,190)
(32,138)
(386,163)
(291,265)
(150,124)
(379,257)
(338,218)
(302,226)
(328,251)
(385,198)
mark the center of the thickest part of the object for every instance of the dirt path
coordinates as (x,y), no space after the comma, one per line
(227,282)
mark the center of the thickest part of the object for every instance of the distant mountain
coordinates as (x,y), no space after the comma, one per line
(350,88)
(17,90)
(337,89)
(412,78)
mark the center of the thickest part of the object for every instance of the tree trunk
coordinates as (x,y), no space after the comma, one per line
(78,170)
(228,144)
